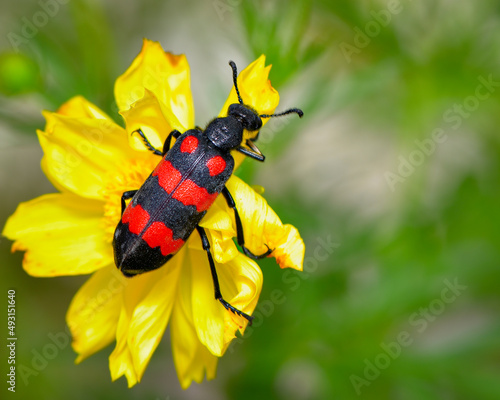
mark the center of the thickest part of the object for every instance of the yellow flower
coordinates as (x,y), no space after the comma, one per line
(92,161)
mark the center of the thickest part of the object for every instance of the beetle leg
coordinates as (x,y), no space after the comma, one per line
(166,146)
(218,295)
(126,196)
(253,152)
(147,142)
(239,228)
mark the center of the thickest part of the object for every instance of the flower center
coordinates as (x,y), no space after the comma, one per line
(131,176)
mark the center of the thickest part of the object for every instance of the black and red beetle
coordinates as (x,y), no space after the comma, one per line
(169,205)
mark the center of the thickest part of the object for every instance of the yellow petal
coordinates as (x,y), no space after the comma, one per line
(80,147)
(255,89)
(166,75)
(120,360)
(93,313)
(261,227)
(192,359)
(257,92)
(151,316)
(148,301)
(219,225)
(79,107)
(288,248)
(208,313)
(62,235)
(241,283)
(154,119)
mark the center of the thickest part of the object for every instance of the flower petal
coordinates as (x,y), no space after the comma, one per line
(80,146)
(79,107)
(147,303)
(192,359)
(241,283)
(120,360)
(256,91)
(166,75)
(93,313)
(219,224)
(289,248)
(208,313)
(261,227)
(62,235)
(154,119)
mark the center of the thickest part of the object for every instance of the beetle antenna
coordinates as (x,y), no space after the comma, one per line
(290,111)
(235,78)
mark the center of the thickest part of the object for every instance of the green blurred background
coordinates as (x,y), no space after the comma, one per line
(392,177)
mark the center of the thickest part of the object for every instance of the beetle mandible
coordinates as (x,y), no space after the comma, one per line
(168,207)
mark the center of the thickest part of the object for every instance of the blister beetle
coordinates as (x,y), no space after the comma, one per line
(168,207)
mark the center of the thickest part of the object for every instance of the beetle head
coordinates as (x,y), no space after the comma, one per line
(250,120)
(227,133)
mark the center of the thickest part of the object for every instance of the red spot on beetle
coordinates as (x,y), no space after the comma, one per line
(158,234)
(168,176)
(136,217)
(216,165)
(189,144)
(186,191)
(190,194)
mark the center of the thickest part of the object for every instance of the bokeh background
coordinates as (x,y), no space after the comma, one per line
(392,177)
